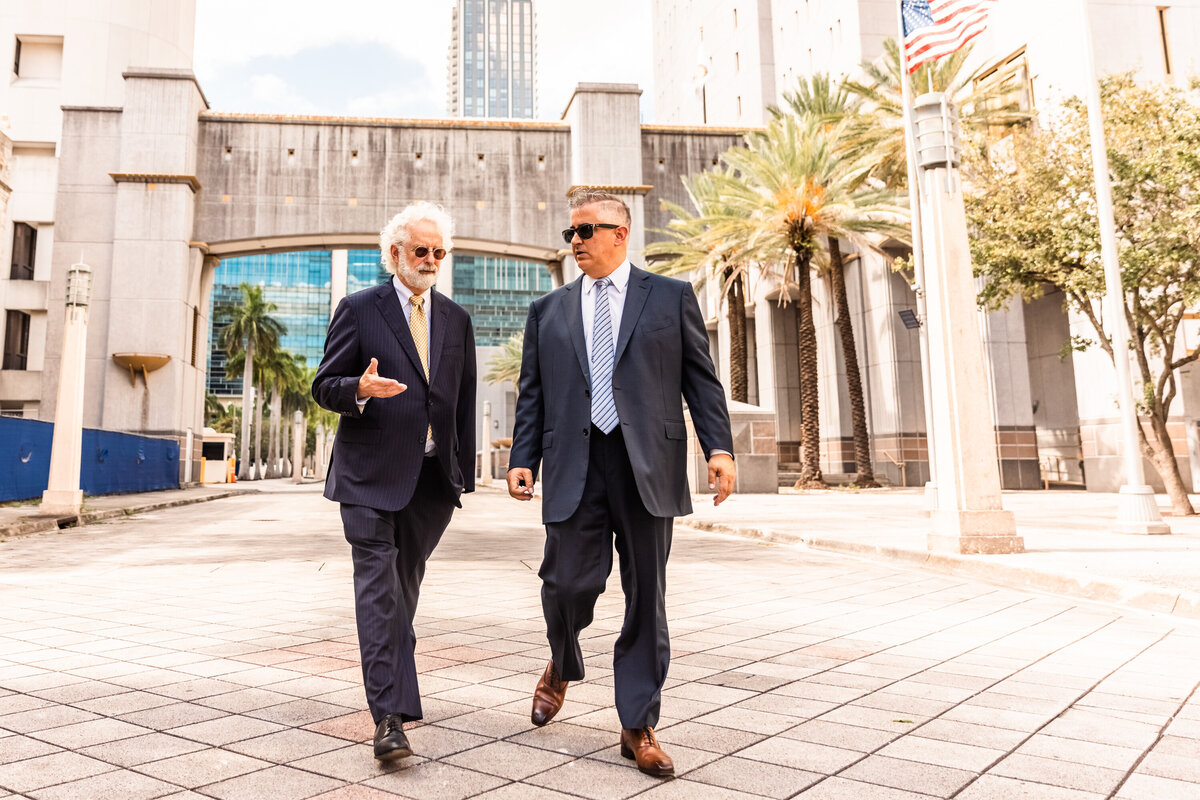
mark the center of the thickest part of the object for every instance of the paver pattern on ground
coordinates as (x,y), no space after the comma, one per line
(209,651)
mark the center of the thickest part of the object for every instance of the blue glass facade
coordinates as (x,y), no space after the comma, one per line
(496,292)
(364,269)
(297,283)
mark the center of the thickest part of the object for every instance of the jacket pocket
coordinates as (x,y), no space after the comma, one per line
(547,439)
(676,430)
(358,435)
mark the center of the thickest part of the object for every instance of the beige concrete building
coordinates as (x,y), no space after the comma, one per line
(1052,422)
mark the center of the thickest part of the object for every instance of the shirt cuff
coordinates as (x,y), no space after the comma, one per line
(715,452)
(361,403)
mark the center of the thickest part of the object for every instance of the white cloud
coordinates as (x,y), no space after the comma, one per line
(577,42)
(273,94)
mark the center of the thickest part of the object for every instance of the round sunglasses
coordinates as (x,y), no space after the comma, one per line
(421,252)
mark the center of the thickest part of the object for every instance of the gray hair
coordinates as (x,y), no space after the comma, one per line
(396,231)
(585,196)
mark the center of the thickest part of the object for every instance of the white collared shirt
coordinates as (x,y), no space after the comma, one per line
(616,302)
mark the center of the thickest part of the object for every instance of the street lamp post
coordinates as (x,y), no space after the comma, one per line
(970,516)
(63,495)
(1137,510)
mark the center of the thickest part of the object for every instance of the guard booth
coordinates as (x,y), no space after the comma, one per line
(217,464)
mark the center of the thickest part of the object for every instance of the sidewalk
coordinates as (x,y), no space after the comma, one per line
(1069,547)
(23,519)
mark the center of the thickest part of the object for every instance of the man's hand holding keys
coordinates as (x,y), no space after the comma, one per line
(371,385)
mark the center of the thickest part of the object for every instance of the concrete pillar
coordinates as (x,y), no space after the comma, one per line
(319,456)
(63,495)
(485,458)
(970,517)
(339,277)
(1004,341)
(297,447)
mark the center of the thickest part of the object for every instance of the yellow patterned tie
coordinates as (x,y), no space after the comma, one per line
(419,327)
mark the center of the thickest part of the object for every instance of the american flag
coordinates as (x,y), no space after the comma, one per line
(936,28)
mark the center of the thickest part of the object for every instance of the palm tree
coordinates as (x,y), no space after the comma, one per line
(687,251)
(280,372)
(831,105)
(879,127)
(788,191)
(506,365)
(251,328)
(296,396)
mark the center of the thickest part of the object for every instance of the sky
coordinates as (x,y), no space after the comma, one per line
(387,58)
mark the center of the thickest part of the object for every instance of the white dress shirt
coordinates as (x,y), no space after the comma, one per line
(405,296)
(617,293)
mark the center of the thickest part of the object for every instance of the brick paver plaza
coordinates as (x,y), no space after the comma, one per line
(209,651)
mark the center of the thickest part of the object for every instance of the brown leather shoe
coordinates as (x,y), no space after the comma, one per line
(641,745)
(548,696)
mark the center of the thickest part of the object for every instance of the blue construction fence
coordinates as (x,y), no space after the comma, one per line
(112,462)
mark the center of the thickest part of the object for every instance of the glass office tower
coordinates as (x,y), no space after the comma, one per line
(297,283)
(493,59)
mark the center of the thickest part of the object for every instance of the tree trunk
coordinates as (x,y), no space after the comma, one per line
(247,389)
(273,433)
(1162,455)
(735,300)
(858,408)
(806,343)
(258,420)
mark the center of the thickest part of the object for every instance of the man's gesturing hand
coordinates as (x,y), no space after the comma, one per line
(722,475)
(520,483)
(371,385)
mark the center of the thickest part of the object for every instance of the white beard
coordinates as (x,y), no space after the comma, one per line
(415,279)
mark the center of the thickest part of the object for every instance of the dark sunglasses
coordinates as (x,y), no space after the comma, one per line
(421,252)
(585,230)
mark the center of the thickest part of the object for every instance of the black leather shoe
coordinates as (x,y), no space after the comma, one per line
(390,741)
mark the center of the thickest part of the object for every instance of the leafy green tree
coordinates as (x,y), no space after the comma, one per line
(250,329)
(788,191)
(1034,217)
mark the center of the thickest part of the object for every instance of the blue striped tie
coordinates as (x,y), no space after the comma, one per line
(604,408)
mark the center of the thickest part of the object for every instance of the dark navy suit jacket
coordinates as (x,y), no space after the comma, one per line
(377,455)
(661,356)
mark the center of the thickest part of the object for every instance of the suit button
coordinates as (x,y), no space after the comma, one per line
(585,433)
(429,404)
(587,392)
(420,440)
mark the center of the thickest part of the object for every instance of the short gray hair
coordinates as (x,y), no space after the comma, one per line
(396,231)
(585,196)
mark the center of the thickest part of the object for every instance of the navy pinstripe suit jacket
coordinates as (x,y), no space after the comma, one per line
(377,455)
(662,359)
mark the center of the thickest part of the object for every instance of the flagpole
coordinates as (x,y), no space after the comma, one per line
(918,254)
(1137,510)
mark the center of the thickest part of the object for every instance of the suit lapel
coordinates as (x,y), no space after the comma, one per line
(389,307)
(574,313)
(437,336)
(637,290)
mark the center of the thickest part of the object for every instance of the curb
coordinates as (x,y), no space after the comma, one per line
(43,523)
(1136,594)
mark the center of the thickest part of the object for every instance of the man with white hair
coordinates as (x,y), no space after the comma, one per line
(399,366)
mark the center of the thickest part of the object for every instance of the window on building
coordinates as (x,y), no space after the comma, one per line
(1162,32)
(23,251)
(12,409)
(737,61)
(1006,85)
(16,340)
(38,57)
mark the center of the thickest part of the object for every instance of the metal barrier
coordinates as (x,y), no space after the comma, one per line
(112,462)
